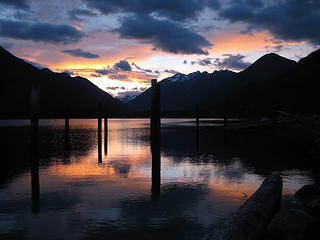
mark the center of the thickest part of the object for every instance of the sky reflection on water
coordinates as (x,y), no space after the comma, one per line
(204,177)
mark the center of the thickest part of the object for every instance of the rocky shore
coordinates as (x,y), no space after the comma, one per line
(299,217)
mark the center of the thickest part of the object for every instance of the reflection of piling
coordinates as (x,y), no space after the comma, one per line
(197,141)
(35,95)
(99,133)
(156,170)
(105,131)
(155,139)
(35,183)
(197,117)
(225,121)
(35,186)
(66,126)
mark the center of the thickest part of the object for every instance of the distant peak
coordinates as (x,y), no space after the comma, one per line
(272,56)
(314,55)
(46,70)
(175,77)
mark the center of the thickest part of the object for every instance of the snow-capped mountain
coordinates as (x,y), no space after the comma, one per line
(180,77)
(217,90)
(182,91)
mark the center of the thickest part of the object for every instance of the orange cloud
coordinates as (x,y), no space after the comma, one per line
(235,42)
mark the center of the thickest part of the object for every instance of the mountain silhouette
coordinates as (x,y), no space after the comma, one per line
(60,93)
(294,91)
(213,91)
(181,92)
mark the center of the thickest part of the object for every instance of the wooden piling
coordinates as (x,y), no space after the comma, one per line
(252,218)
(66,129)
(155,106)
(105,130)
(34,163)
(35,184)
(100,133)
(197,117)
(35,97)
(225,122)
(155,140)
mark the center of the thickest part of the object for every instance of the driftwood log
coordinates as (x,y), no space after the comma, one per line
(252,218)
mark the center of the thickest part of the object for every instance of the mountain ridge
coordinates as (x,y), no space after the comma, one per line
(176,91)
(60,93)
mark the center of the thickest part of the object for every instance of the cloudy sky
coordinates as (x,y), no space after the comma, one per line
(121,44)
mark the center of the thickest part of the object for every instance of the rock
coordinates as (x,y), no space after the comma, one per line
(252,218)
(313,207)
(288,202)
(292,224)
(305,191)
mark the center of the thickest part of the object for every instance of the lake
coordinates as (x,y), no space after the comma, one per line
(205,175)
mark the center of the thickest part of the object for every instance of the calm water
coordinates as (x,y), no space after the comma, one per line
(203,178)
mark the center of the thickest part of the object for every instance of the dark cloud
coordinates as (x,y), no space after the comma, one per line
(112,88)
(40,32)
(163,35)
(290,20)
(171,71)
(235,62)
(75,14)
(276,48)
(37,65)
(118,76)
(141,69)
(122,65)
(95,75)
(103,71)
(205,62)
(23,4)
(175,10)
(80,53)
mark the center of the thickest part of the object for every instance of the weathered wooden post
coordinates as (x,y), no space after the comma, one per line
(155,140)
(35,97)
(100,133)
(105,130)
(35,185)
(155,107)
(197,116)
(225,121)
(252,218)
(66,125)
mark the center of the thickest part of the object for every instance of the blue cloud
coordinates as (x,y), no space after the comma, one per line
(235,62)
(175,10)
(164,35)
(290,20)
(80,53)
(23,4)
(40,32)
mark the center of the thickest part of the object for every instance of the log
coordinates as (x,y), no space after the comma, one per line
(252,218)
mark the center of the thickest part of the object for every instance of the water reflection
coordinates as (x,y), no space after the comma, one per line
(156,162)
(203,177)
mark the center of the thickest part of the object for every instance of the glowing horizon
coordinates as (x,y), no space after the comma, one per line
(89,39)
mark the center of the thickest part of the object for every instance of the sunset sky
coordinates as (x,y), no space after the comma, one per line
(121,44)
